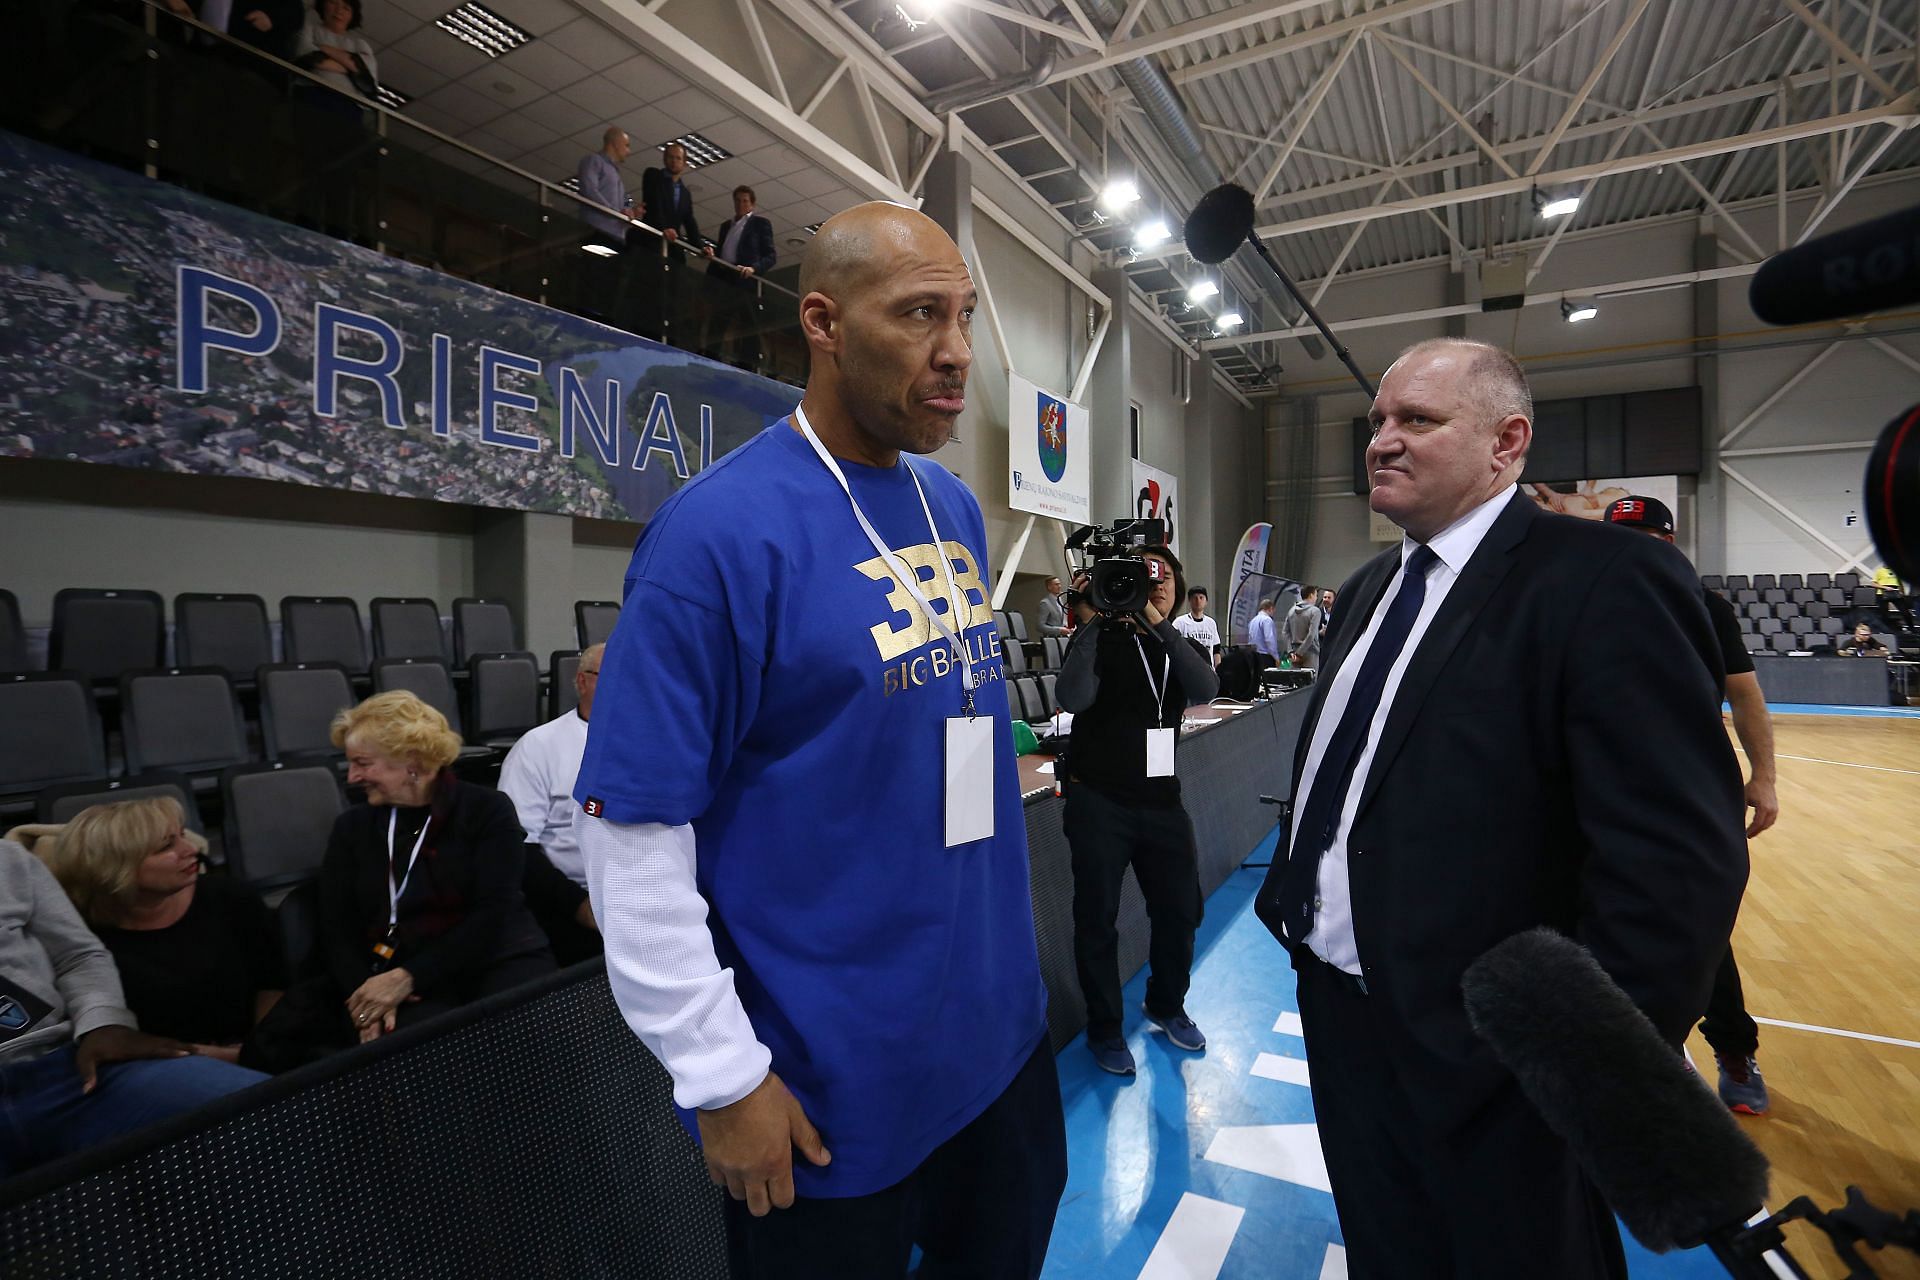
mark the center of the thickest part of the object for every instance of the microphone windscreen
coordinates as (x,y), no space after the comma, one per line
(1219,224)
(1869,267)
(1653,1136)
(1893,495)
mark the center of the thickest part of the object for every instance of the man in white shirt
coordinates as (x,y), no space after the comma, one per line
(1264,635)
(1475,763)
(540,771)
(1196,626)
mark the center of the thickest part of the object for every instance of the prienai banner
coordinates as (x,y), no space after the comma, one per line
(142,325)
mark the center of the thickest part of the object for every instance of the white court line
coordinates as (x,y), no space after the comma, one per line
(1194,1245)
(1844,764)
(1836,1031)
(1271,1066)
(1289,1025)
(1334,1265)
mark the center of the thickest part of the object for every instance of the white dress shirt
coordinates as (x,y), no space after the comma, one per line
(1332,937)
(538,777)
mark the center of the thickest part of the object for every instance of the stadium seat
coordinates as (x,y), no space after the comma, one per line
(1746,595)
(317,630)
(1816,609)
(1018,621)
(593,620)
(1003,624)
(1773,595)
(1846,581)
(297,921)
(60,803)
(506,697)
(1768,626)
(1802,595)
(1784,642)
(1833,626)
(1792,582)
(1865,597)
(101,633)
(1801,626)
(278,818)
(13,636)
(1017,701)
(1012,655)
(1764,582)
(217,629)
(1819,581)
(1712,581)
(406,627)
(1738,582)
(1055,648)
(1756,644)
(53,731)
(1756,610)
(1046,680)
(298,701)
(185,719)
(482,626)
(562,697)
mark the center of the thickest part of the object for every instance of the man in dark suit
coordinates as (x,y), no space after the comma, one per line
(746,243)
(668,209)
(1517,723)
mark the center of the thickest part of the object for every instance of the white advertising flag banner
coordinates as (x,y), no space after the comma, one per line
(1047,442)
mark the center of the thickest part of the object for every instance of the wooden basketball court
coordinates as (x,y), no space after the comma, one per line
(1829,937)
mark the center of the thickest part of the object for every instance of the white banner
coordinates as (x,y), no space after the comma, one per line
(1047,442)
(1156,495)
(1250,557)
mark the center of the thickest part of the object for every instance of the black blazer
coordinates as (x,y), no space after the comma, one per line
(756,248)
(1555,756)
(663,211)
(463,909)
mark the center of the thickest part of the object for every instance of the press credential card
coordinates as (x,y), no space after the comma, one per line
(969,779)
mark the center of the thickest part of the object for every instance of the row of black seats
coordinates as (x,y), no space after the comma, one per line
(1832,597)
(189,720)
(1818,581)
(1030,697)
(102,633)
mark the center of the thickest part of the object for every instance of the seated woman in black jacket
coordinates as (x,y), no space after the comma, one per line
(420,904)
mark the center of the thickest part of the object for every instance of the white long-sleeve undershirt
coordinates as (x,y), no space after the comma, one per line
(666,978)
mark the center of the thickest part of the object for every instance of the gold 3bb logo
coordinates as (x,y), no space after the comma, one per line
(972,609)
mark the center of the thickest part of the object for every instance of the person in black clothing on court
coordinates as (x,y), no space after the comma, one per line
(1127,680)
(1729,1029)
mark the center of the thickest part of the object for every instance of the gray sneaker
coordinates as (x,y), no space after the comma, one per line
(1741,1087)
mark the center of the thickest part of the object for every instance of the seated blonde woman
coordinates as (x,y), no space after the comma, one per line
(420,905)
(199,957)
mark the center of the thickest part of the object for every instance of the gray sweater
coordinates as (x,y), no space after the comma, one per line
(49,956)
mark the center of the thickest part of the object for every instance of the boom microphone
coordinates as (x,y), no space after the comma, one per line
(1869,267)
(1655,1140)
(1220,224)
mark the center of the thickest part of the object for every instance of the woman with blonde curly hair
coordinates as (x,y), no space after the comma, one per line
(199,957)
(420,906)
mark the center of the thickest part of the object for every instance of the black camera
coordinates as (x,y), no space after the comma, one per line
(1120,577)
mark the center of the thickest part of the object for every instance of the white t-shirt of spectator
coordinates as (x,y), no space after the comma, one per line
(1201,631)
(538,777)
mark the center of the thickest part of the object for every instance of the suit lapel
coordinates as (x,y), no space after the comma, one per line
(1483,575)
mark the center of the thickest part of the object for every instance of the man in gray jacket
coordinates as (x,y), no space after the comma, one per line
(74,1068)
(1303,630)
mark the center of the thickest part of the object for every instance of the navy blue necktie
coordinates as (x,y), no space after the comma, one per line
(1320,816)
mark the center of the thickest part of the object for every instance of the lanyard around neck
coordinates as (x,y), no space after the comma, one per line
(900,569)
(393,892)
(1159,690)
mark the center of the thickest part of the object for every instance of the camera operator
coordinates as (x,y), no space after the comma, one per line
(1126,679)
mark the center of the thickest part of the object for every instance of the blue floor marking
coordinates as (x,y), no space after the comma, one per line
(1135,1146)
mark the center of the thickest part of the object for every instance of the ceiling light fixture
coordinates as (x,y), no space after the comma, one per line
(701,150)
(1554,208)
(482,28)
(1229,320)
(1201,290)
(1152,235)
(1575,312)
(1118,194)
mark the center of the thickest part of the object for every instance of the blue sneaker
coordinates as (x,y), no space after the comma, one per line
(1112,1055)
(1741,1087)
(1179,1029)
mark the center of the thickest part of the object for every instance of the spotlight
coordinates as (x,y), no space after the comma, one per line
(1152,235)
(1554,208)
(1575,312)
(1228,320)
(1201,290)
(601,250)
(1118,194)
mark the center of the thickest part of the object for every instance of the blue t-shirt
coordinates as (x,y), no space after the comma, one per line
(771,684)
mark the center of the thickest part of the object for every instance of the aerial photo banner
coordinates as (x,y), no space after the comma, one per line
(146,326)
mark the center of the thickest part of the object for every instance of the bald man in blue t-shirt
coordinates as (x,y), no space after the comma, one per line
(800,813)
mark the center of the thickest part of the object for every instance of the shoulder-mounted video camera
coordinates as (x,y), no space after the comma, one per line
(1120,577)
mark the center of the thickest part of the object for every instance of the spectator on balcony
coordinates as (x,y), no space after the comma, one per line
(199,958)
(746,252)
(74,1069)
(328,46)
(608,235)
(668,208)
(271,26)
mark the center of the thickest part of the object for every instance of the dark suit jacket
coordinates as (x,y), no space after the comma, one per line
(756,248)
(663,211)
(463,908)
(1554,756)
